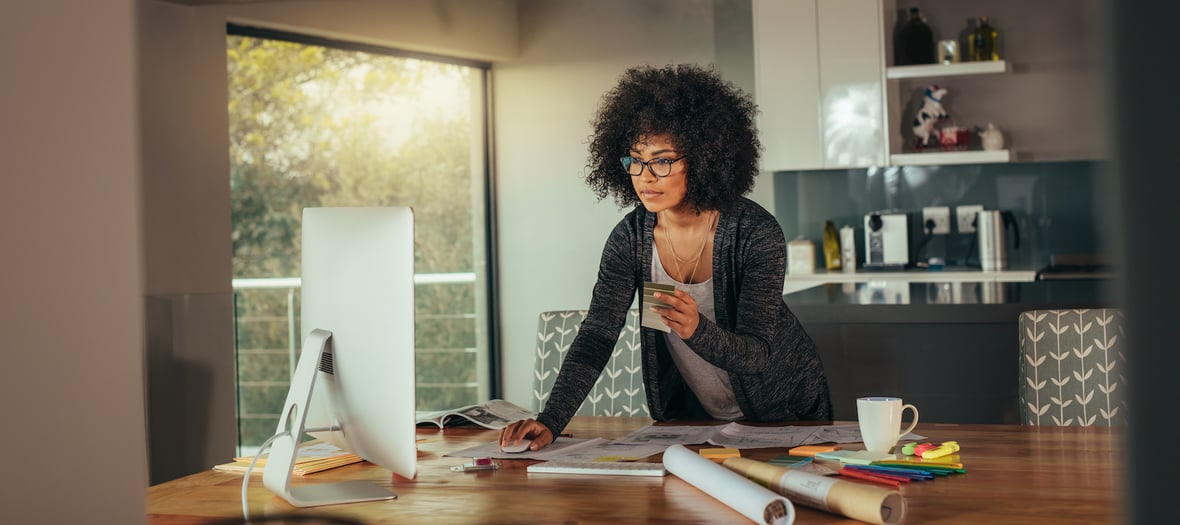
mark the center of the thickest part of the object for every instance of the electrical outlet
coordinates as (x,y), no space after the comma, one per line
(966,217)
(941,215)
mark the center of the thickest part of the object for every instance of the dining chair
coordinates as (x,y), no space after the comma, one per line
(619,389)
(1071,368)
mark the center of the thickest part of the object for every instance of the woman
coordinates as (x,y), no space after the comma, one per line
(678,143)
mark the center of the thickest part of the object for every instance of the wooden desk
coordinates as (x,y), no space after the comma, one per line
(1014,475)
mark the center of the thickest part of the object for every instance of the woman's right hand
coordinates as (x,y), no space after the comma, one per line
(526,428)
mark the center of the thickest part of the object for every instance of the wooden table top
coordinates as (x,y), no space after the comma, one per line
(1015,474)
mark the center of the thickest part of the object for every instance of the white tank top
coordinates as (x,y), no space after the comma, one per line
(710,384)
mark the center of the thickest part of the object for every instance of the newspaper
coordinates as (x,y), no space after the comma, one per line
(494,414)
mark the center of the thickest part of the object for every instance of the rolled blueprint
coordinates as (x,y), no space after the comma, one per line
(748,498)
(855,500)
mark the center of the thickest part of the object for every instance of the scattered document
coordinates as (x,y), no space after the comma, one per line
(611,451)
(494,414)
(669,435)
(737,435)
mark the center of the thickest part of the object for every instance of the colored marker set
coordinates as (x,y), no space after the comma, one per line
(920,462)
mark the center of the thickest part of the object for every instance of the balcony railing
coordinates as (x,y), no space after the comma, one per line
(262,384)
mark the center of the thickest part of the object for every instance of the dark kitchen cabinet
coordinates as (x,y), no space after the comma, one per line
(958,362)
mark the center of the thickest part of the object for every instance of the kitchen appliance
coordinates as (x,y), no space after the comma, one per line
(800,256)
(992,227)
(887,240)
(848,248)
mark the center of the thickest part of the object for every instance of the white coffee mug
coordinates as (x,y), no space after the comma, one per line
(880,420)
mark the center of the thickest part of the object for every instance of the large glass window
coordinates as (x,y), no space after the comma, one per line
(322,123)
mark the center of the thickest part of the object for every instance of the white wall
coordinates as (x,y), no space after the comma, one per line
(551,227)
(71,281)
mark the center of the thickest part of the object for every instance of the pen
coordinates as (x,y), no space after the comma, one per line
(869,477)
(902,472)
(900,478)
(938,470)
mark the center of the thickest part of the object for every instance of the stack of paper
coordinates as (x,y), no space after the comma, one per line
(314,456)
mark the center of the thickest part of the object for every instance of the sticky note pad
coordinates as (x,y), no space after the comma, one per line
(720,454)
(811,450)
(855,457)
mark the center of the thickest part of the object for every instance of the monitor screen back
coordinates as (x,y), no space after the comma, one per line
(358,283)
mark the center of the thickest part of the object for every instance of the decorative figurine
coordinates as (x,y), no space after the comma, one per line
(929,115)
(993,139)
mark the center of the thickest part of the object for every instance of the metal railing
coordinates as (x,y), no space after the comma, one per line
(293,284)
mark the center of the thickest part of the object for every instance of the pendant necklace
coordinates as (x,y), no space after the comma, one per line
(700,251)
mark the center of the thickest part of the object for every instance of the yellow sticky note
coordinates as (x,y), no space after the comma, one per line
(720,454)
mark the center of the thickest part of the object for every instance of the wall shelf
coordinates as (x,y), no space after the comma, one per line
(946,70)
(950,157)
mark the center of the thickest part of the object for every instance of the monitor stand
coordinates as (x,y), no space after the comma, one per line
(285,446)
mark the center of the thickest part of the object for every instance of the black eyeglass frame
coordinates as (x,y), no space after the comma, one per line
(650,165)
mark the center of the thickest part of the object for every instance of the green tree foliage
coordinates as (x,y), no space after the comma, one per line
(318,126)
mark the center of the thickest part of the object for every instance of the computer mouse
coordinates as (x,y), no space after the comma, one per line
(516,449)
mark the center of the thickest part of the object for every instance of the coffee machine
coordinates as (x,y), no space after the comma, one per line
(887,240)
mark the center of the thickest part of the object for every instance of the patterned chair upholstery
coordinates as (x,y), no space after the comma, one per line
(1071,368)
(619,390)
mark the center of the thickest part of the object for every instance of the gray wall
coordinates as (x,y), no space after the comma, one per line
(1056,206)
(71,285)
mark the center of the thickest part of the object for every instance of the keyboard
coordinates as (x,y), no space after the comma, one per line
(602,468)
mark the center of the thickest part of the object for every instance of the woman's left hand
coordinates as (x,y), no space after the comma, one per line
(681,315)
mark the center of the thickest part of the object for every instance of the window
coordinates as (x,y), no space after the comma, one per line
(315,122)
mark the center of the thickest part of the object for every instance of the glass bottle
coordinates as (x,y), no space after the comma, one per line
(899,55)
(986,43)
(917,40)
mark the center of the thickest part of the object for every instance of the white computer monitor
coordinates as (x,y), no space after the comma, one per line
(356,371)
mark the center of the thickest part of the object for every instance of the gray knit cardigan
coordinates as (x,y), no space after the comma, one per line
(772,363)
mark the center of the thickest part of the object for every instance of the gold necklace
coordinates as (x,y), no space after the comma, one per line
(700,251)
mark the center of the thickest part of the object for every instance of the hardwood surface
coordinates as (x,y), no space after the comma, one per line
(1014,475)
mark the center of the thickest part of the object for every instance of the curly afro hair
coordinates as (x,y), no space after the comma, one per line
(707,118)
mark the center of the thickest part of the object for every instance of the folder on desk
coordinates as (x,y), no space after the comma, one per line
(314,456)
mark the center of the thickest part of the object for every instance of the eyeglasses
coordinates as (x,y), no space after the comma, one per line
(659,167)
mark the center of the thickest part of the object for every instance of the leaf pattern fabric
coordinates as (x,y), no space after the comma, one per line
(619,389)
(1071,368)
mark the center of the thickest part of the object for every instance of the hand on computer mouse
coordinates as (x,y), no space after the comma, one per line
(516,448)
(537,435)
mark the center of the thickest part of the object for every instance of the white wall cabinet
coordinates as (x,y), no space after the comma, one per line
(830,97)
(819,69)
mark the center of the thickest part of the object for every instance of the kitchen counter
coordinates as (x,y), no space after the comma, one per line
(801,281)
(951,348)
(934,300)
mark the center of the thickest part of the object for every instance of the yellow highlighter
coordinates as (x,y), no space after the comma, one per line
(947,447)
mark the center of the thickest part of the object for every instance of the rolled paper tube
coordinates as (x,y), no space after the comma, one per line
(855,500)
(749,499)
